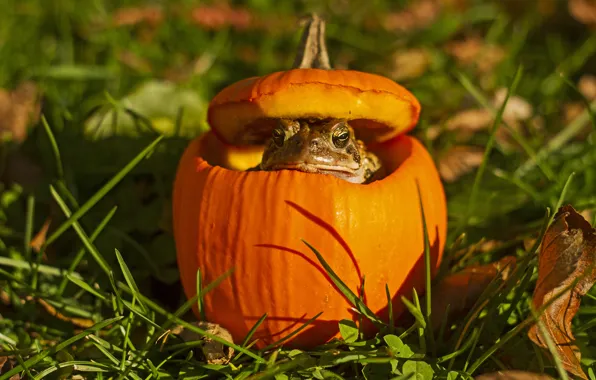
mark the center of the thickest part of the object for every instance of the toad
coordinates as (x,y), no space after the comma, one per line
(324,146)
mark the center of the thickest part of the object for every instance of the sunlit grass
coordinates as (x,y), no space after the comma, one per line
(109,258)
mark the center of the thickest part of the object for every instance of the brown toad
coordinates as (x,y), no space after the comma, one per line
(325,146)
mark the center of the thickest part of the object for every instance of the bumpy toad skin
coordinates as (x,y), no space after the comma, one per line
(326,146)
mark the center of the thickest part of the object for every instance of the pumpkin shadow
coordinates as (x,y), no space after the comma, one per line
(325,330)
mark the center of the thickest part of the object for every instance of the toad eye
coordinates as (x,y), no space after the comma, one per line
(341,137)
(279,136)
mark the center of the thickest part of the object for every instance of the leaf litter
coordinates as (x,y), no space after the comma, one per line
(566,272)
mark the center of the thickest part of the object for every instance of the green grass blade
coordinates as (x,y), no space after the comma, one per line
(489,146)
(391,322)
(352,298)
(82,235)
(562,195)
(200,295)
(60,346)
(567,133)
(83,285)
(54,145)
(129,279)
(102,192)
(427,274)
(29,226)
(292,334)
(81,253)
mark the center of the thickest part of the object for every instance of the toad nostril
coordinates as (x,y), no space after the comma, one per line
(314,144)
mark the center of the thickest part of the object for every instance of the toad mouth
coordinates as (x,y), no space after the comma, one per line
(312,168)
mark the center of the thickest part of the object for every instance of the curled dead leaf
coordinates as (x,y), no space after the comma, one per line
(513,375)
(214,352)
(583,11)
(566,272)
(459,161)
(461,290)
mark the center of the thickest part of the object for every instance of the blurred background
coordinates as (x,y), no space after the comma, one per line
(109,76)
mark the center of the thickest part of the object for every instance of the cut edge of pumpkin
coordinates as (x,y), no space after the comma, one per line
(377,116)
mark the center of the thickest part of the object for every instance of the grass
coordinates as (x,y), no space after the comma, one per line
(107,147)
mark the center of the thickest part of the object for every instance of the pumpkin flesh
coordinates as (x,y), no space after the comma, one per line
(254,221)
(379,108)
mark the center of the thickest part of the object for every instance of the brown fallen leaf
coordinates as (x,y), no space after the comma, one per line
(513,375)
(18,110)
(6,364)
(215,17)
(461,290)
(128,16)
(417,16)
(474,51)
(583,11)
(459,161)
(567,260)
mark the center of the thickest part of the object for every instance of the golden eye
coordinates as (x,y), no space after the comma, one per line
(341,137)
(279,136)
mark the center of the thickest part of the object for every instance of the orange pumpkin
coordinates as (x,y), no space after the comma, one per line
(255,221)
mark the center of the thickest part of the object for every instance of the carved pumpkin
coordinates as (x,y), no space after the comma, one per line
(254,221)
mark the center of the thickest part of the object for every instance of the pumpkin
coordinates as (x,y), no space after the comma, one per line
(256,222)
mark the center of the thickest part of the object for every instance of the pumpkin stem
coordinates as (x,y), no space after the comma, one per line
(312,52)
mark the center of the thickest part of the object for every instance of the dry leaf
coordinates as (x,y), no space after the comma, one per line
(134,61)
(458,161)
(18,110)
(79,322)
(517,108)
(6,364)
(461,290)
(475,51)
(418,15)
(135,15)
(470,120)
(567,255)
(214,352)
(513,375)
(583,11)
(409,64)
(40,237)
(587,86)
(219,16)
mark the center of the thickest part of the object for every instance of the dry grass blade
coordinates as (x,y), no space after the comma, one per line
(566,259)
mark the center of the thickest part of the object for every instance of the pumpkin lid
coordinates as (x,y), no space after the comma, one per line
(378,108)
